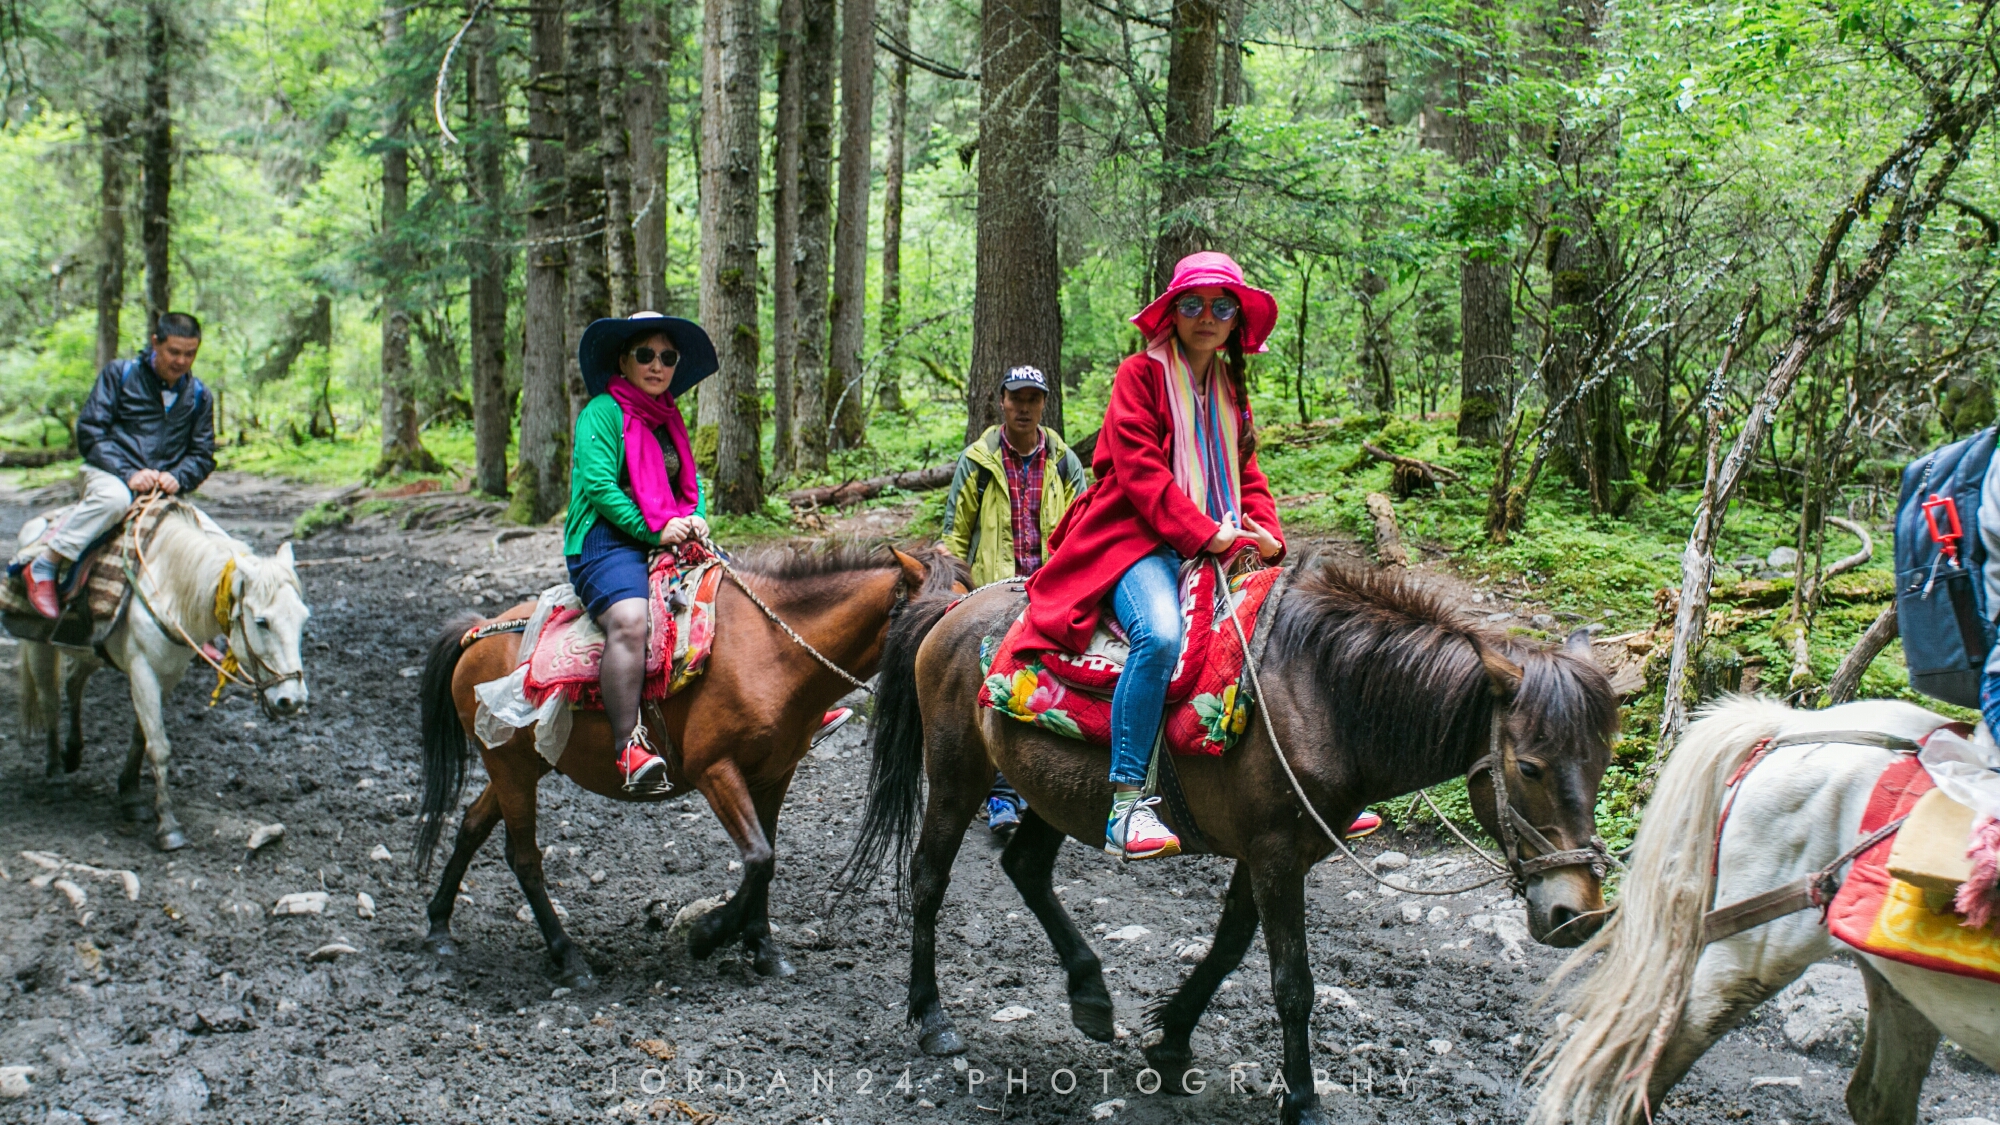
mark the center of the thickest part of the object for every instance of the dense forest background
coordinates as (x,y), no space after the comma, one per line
(1615,270)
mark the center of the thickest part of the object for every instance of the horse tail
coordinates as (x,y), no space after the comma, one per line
(1626,1010)
(444,738)
(895,780)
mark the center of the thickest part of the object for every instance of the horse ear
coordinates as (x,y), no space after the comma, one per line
(284,555)
(1578,643)
(1504,674)
(914,570)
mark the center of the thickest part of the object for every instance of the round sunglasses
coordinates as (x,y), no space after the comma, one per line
(644,356)
(1224,307)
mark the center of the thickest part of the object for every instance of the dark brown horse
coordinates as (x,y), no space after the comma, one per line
(736,734)
(1373,686)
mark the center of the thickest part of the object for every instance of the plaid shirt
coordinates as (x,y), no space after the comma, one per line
(1024,495)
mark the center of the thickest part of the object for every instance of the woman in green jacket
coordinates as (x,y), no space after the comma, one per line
(633,490)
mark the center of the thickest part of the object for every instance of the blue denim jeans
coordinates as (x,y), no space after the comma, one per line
(1147,601)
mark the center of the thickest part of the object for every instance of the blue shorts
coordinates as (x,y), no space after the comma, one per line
(611,568)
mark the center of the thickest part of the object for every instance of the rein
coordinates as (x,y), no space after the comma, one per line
(1517,870)
(836,669)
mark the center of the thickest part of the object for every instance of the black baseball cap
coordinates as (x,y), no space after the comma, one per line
(1025,376)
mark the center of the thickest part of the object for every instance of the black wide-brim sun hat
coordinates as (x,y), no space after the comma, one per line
(605,340)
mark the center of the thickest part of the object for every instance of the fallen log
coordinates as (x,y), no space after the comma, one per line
(1388,540)
(1408,475)
(855,491)
(1857,559)
(34,458)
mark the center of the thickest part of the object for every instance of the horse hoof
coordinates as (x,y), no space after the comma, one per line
(707,935)
(773,967)
(441,944)
(938,1038)
(72,758)
(1302,1108)
(138,812)
(172,840)
(579,979)
(1170,1061)
(1091,1013)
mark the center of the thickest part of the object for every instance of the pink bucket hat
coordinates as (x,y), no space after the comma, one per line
(1210,267)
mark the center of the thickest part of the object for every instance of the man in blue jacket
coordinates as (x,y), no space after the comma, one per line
(148,426)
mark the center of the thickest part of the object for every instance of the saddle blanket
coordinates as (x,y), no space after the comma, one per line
(1880,914)
(562,648)
(93,592)
(1208,697)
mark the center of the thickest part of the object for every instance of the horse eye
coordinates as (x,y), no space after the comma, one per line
(1531,771)
(265,623)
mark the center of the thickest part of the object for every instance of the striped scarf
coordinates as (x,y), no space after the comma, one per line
(1204,426)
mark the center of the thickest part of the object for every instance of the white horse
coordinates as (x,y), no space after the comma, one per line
(1658,998)
(176,601)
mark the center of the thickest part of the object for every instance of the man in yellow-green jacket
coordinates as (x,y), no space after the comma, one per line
(1011,488)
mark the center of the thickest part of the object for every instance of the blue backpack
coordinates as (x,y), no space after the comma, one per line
(1941,609)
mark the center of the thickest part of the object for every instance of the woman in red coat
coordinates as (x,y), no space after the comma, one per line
(1177,477)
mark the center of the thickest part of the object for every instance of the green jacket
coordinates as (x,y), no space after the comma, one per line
(597,479)
(978,514)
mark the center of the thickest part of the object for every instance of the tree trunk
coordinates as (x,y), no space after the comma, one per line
(888,385)
(646,104)
(114,123)
(730,163)
(817,44)
(1016,316)
(1595,451)
(615,158)
(785,235)
(157,164)
(1485,279)
(402,445)
(850,232)
(1372,86)
(541,483)
(491,261)
(589,288)
(1232,88)
(1189,127)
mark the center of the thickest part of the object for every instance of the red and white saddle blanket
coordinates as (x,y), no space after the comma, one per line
(570,646)
(1880,914)
(561,649)
(1208,698)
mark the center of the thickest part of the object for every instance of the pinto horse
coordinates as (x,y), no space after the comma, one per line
(1372,686)
(737,733)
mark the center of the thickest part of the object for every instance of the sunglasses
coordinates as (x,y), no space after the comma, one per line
(1224,307)
(644,356)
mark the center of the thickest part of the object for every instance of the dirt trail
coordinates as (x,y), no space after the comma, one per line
(194,1003)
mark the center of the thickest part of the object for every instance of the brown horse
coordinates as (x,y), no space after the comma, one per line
(736,734)
(1373,686)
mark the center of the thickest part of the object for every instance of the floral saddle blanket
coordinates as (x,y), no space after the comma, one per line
(1880,914)
(570,646)
(1208,698)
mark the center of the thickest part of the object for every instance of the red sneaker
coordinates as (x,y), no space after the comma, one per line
(645,771)
(42,595)
(831,721)
(1364,824)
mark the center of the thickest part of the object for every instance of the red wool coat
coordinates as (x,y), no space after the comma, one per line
(1134,507)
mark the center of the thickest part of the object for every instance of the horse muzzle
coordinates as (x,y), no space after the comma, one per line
(285,698)
(1565,906)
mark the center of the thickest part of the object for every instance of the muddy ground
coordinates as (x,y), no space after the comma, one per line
(194,1003)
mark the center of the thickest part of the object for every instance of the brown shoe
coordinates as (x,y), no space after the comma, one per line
(42,595)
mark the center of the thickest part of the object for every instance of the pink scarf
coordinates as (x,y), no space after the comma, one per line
(659,500)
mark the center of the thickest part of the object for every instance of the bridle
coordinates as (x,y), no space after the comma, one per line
(1515,827)
(228,613)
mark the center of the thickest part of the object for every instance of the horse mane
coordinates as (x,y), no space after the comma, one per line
(794,562)
(1399,670)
